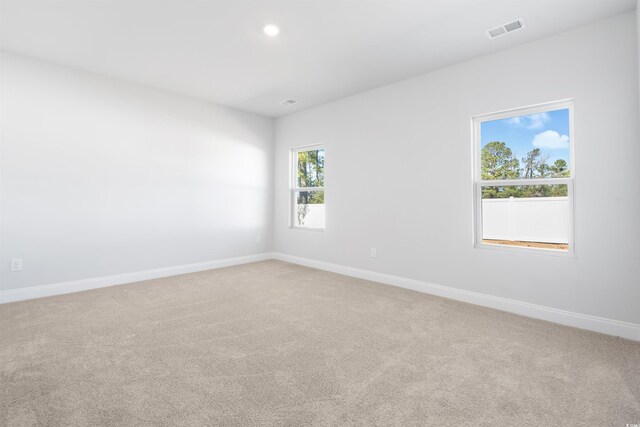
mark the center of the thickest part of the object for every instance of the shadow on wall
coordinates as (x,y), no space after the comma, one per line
(104,177)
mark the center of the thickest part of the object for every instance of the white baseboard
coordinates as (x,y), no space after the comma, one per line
(120,279)
(583,321)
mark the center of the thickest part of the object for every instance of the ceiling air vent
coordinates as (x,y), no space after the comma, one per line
(288,102)
(505,29)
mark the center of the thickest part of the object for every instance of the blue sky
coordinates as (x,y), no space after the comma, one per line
(548,131)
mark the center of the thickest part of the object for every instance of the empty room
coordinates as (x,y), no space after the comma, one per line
(319,213)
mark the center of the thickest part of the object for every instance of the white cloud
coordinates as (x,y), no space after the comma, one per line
(537,121)
(551,139)
(532,121)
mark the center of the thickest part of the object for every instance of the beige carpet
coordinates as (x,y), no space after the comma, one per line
(272,343)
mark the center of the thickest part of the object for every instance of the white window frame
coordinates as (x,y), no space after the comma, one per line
(478,183)
(293,185)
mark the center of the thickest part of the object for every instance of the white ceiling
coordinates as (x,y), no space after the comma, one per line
(327,49)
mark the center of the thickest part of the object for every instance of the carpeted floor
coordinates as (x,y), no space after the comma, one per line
(273,343)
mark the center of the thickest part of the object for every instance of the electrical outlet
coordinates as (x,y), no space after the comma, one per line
(16,264)
(258,239)
(374,253)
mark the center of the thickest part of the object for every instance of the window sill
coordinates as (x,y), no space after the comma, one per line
(524,250)
(293,227)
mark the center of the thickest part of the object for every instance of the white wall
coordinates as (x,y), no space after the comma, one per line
(101,177)
(404,145)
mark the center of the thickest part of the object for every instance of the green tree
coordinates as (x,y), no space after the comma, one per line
(535,166)
(559,190)
(531,163)
(559,168)
(498,162)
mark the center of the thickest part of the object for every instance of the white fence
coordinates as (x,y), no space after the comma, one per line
(528,219)
(314,217)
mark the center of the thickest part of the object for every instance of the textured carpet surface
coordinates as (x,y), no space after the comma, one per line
(273,343)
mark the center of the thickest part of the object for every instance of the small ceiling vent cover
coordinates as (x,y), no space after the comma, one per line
(288,102)
(507,28)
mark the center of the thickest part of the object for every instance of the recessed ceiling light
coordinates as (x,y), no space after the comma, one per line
(271,30)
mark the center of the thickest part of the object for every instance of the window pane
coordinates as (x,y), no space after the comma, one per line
(311,168)
(530,146)
(526,215)
(309,209)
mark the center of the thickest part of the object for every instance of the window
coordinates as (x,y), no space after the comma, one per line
(307,188)
(523,179)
